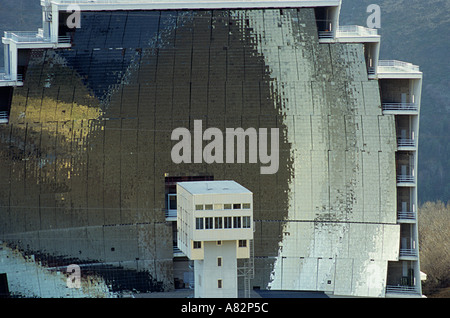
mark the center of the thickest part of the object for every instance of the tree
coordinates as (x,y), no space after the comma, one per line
(434,244)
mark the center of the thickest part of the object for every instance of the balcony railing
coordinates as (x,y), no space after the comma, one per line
(177,252)
(408,252)
(402,215)
(396,66)
(355,30)
(405,178)
(64,39)
(32,37)
(325,34)
(170,213)
(402,289)
(25,37)
(405,142)
(4,119)
(400,106)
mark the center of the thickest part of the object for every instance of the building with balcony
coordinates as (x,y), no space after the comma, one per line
(86,123)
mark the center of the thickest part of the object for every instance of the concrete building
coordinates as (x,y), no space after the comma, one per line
(88,114)
(214,228)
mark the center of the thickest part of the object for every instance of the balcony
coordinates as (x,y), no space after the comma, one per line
(4,118)
(357,34)
(410,254)
(171,215)
(406,217)
(177,252)
(397,69)
(325,34)
(32,37)
(401,108)
(171,210)
(401,291)
(406,143)
(351,34)
(10,80)
(406,180)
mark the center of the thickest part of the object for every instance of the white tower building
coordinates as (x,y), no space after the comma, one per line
(215,225)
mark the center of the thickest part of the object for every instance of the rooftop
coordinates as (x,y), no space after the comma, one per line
(210,187)
(191,4)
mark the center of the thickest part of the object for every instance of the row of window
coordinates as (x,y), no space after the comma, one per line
(226,222)
(198,244)
(226,206)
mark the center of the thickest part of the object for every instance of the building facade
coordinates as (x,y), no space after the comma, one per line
(88,113)
(214,229)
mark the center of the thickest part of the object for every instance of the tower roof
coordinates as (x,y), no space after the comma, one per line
(212,187)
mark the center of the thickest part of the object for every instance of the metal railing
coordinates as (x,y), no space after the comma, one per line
(405,178)
(177,252)
(397,66)
(325,34)
(64,39)
(33,37)
(5,77)
(9,77)
(406,215)
(400,106)
(355,30)
(405,142)
(170,213)
(408,252)
(25,36)
(402,289)
(4,118)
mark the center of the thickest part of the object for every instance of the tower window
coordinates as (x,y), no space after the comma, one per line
(208,223)
(237,222)
(217,222)
(242,243)
(227,222)
(199,223)
(197,244)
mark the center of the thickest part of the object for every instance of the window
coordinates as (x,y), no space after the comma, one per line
(246,206)
(246,222)
(219,243)
(208,223)
(199,223)
(172,201)
(236,206)
(227,222)
(199,207)
(218,223)
(208,206)
(227,206)
(219,283)
(242,243)
(237,222)
(197,244)
(219,261)
(218,206)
